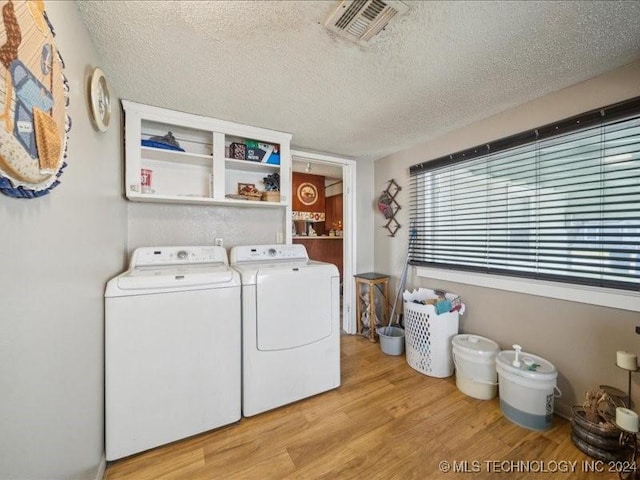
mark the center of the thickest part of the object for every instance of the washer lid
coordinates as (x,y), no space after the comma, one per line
(531,366)
(174,276)
(476,344)
(294,306)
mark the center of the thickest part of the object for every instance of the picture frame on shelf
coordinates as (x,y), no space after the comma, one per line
(244,188)
(249,191)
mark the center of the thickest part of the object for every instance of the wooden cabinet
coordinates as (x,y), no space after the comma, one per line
(323,249)
(203,173)
(333,209)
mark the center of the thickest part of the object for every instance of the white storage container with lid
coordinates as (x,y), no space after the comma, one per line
(527,388)
(475,362)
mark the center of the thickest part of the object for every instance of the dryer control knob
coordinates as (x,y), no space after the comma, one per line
(272,252)
(182,254)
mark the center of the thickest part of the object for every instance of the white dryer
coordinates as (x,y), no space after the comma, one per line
(290,325)
(172,348)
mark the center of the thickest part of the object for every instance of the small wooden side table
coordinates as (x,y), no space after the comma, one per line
(377,282)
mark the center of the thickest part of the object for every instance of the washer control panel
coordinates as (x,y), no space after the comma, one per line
(263,253)
(147,256)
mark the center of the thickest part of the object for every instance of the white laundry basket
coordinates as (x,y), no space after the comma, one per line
(527,391)
(474,358)
(428,335)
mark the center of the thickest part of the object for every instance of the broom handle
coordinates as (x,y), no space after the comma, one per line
(403,275)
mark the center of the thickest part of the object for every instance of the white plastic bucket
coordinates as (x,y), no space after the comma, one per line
(527,392)
(391,340)
(475,361)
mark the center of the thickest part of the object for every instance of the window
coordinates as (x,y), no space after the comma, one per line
(560,203)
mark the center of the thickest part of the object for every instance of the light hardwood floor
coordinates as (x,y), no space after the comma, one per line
(386,421)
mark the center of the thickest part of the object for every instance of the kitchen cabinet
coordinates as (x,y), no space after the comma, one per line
(324,249)
(333,209)
(204,173)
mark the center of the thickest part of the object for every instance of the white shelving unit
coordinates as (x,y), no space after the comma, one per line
(202,174)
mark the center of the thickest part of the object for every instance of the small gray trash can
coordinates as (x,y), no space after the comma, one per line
(391,340)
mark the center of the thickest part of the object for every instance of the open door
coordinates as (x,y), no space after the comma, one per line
(332,167)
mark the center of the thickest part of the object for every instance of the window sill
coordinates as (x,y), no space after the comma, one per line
(592,295)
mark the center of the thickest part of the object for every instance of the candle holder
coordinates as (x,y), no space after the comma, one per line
(628,439)
(628,382)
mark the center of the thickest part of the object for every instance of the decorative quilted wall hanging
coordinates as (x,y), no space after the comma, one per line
(34,96)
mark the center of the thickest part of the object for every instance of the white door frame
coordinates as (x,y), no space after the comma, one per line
(349,231)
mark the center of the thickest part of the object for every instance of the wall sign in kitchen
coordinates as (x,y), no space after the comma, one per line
(308,216)
(34,97)
(307,193)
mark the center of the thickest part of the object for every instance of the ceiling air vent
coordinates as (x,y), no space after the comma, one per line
(360,20)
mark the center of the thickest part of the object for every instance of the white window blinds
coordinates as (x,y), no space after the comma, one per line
(561,202)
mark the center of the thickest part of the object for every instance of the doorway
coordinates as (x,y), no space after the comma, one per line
(339,179)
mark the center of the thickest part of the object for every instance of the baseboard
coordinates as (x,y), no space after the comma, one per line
(102,468)
(563,410)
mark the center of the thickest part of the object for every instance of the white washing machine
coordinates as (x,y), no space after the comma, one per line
(290,325)
(172,348)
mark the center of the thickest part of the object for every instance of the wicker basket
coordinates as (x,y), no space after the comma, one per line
(271,196)
(599,440)
(252,196)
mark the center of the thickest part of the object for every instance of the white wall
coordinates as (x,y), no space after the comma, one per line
(56,253)
(391,252)
(365,206)
(161,224)
(332,187)
(581,340)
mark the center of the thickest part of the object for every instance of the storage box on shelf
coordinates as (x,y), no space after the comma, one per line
(203,173)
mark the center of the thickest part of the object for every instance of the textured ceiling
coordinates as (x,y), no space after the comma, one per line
(272,64)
